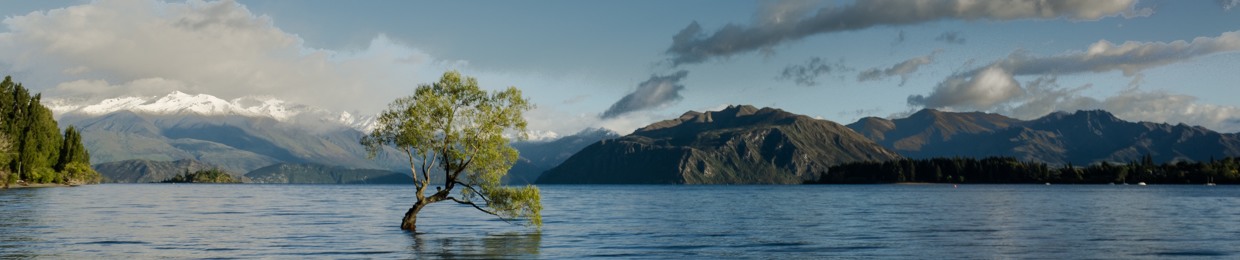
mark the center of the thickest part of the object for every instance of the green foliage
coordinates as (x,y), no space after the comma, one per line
(43,175)
(72,150)
(454,128)
(203,176)
(37,152)
(1011,170)
(6,152)
(80,172)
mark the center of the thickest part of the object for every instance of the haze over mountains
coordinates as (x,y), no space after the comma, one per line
(147,139)
(1080,138)
(238,136)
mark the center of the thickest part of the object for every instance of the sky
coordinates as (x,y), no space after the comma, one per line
(625,64)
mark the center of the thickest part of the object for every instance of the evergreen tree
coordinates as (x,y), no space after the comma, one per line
(72,150)
(37,150)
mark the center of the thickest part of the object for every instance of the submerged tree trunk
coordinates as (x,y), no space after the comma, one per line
(411,217)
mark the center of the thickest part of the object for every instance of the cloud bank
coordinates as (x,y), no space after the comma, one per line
(655,92)
(693,45)
(994,87)
(111,48)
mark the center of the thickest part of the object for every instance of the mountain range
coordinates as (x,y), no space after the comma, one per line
(739,144)
(537,157)
(149,139)
(146,138)
(237,136)
(1080,138)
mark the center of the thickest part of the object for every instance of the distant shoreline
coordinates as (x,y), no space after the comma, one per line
(37,185)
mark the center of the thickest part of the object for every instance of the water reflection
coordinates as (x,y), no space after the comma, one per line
(492,246)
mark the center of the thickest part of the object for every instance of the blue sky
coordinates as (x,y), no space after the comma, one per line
(581,60)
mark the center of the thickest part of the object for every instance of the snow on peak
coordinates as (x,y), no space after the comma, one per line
(541,135)
(178,103)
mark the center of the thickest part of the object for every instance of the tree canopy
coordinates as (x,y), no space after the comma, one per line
(37,150)
(454,129)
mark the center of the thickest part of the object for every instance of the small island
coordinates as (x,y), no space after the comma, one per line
(203,176)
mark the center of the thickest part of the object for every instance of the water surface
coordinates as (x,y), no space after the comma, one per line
(846,221)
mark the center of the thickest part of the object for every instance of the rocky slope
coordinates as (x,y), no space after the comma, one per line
(738,145)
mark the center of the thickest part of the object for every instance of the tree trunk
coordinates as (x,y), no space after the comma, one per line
(411,217)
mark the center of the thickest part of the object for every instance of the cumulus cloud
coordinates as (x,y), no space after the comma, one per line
(1044,96)
(653,93)
(994,87)
(981,91)
(693,45)
(961,90)
(107,48)
(902,69)
(807,74)
(952,37)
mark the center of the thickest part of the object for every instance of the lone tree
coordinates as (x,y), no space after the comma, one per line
(455,129)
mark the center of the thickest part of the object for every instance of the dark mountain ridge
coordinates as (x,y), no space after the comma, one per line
(738,145)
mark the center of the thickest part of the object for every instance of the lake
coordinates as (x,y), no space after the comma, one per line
(931,221)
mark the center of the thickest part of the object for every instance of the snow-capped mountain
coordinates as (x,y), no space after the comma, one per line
(179,103)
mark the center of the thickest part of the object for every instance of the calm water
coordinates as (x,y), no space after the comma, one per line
(889,221)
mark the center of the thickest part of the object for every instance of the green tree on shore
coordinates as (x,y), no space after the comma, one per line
(6,151)
(38,153)
(454,128)
(203,176)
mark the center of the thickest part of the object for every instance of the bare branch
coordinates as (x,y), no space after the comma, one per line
(409,154)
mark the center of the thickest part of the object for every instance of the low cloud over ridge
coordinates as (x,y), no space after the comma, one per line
(994,87)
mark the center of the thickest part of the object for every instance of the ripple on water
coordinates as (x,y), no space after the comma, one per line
(865,221)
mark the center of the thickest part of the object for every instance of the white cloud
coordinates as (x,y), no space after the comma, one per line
(115,48)
(995,88)
(1131,104)
(983,91)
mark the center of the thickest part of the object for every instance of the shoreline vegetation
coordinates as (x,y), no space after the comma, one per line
(32,148)
(42,185)
(1007,170)
(203,176)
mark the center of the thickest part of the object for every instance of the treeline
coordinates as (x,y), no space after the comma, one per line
(1011,170)
(32,148)
(203,176)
